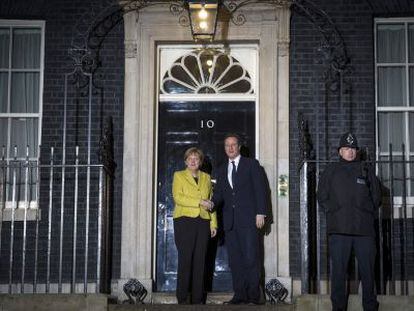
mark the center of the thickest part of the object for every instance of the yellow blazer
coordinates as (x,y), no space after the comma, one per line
(188,194)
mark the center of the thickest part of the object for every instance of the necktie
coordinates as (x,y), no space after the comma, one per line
(233,174)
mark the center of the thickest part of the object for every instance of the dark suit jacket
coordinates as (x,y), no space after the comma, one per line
(246,200)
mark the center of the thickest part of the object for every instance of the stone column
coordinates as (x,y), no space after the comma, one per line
(136,207)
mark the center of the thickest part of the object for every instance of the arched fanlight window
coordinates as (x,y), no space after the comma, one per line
(206,71)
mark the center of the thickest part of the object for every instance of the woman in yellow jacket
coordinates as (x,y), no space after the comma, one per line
(193,225)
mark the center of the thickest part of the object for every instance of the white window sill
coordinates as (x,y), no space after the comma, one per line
(32,212)
(398,207)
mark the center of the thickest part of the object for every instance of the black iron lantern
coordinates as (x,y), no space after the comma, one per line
(203,17)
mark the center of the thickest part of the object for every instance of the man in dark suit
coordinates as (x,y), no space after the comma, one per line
(241,190)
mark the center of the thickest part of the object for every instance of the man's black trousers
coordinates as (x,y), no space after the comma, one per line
(340,248)
(243,251)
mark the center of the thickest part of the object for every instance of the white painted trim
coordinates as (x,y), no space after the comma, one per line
(393,20)
(20,115)
(394,64)
(208,97)
(20,204)
(394,109)
(21,23)
(199,97)
(394,153)
(22,70)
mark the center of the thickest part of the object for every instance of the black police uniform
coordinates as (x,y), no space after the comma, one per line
(350,194)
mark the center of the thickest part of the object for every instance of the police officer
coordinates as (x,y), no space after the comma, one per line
(350,194)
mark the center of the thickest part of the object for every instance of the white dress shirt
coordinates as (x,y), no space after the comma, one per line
(230,168)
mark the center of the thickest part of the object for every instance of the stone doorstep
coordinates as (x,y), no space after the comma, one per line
(166,301)
(211,299)
(200,307)
(169,298)
(301,303)
(323,303)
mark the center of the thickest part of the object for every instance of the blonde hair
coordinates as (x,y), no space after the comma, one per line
(194,150)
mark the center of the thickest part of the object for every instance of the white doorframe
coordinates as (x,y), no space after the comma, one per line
(143,34)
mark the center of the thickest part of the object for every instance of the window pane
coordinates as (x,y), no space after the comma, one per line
(3,134)
(411,176)
(391,129)
(411,42)
(3,92)
(411,122)
(411,82)
(391,86)
(20,186)
(25,92)
(180,74)
(4,47)
(391,43)
(392,178)
(383,172)
(26,48)
(23,133)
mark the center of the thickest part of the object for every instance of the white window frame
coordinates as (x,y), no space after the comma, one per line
(406,110)
(13,24)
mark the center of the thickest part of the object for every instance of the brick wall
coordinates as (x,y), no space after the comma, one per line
(328,114)
(63,18)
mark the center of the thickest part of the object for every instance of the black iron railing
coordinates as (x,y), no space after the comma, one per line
(55,224)
(394,226)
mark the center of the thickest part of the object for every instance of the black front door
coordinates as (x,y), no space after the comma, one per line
(201,124)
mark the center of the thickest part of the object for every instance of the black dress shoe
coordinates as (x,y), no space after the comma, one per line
(234,301)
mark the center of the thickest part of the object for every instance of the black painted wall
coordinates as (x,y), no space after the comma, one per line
(308,95)
(65,20)
(327,114)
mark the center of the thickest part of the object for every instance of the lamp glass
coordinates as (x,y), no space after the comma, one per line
(203,17)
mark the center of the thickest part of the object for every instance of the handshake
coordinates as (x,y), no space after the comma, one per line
(207,205)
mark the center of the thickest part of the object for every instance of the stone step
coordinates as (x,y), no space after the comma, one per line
(323,302)
(206,307)
(169,298)
(167,301)
(99,302)
(214,301)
